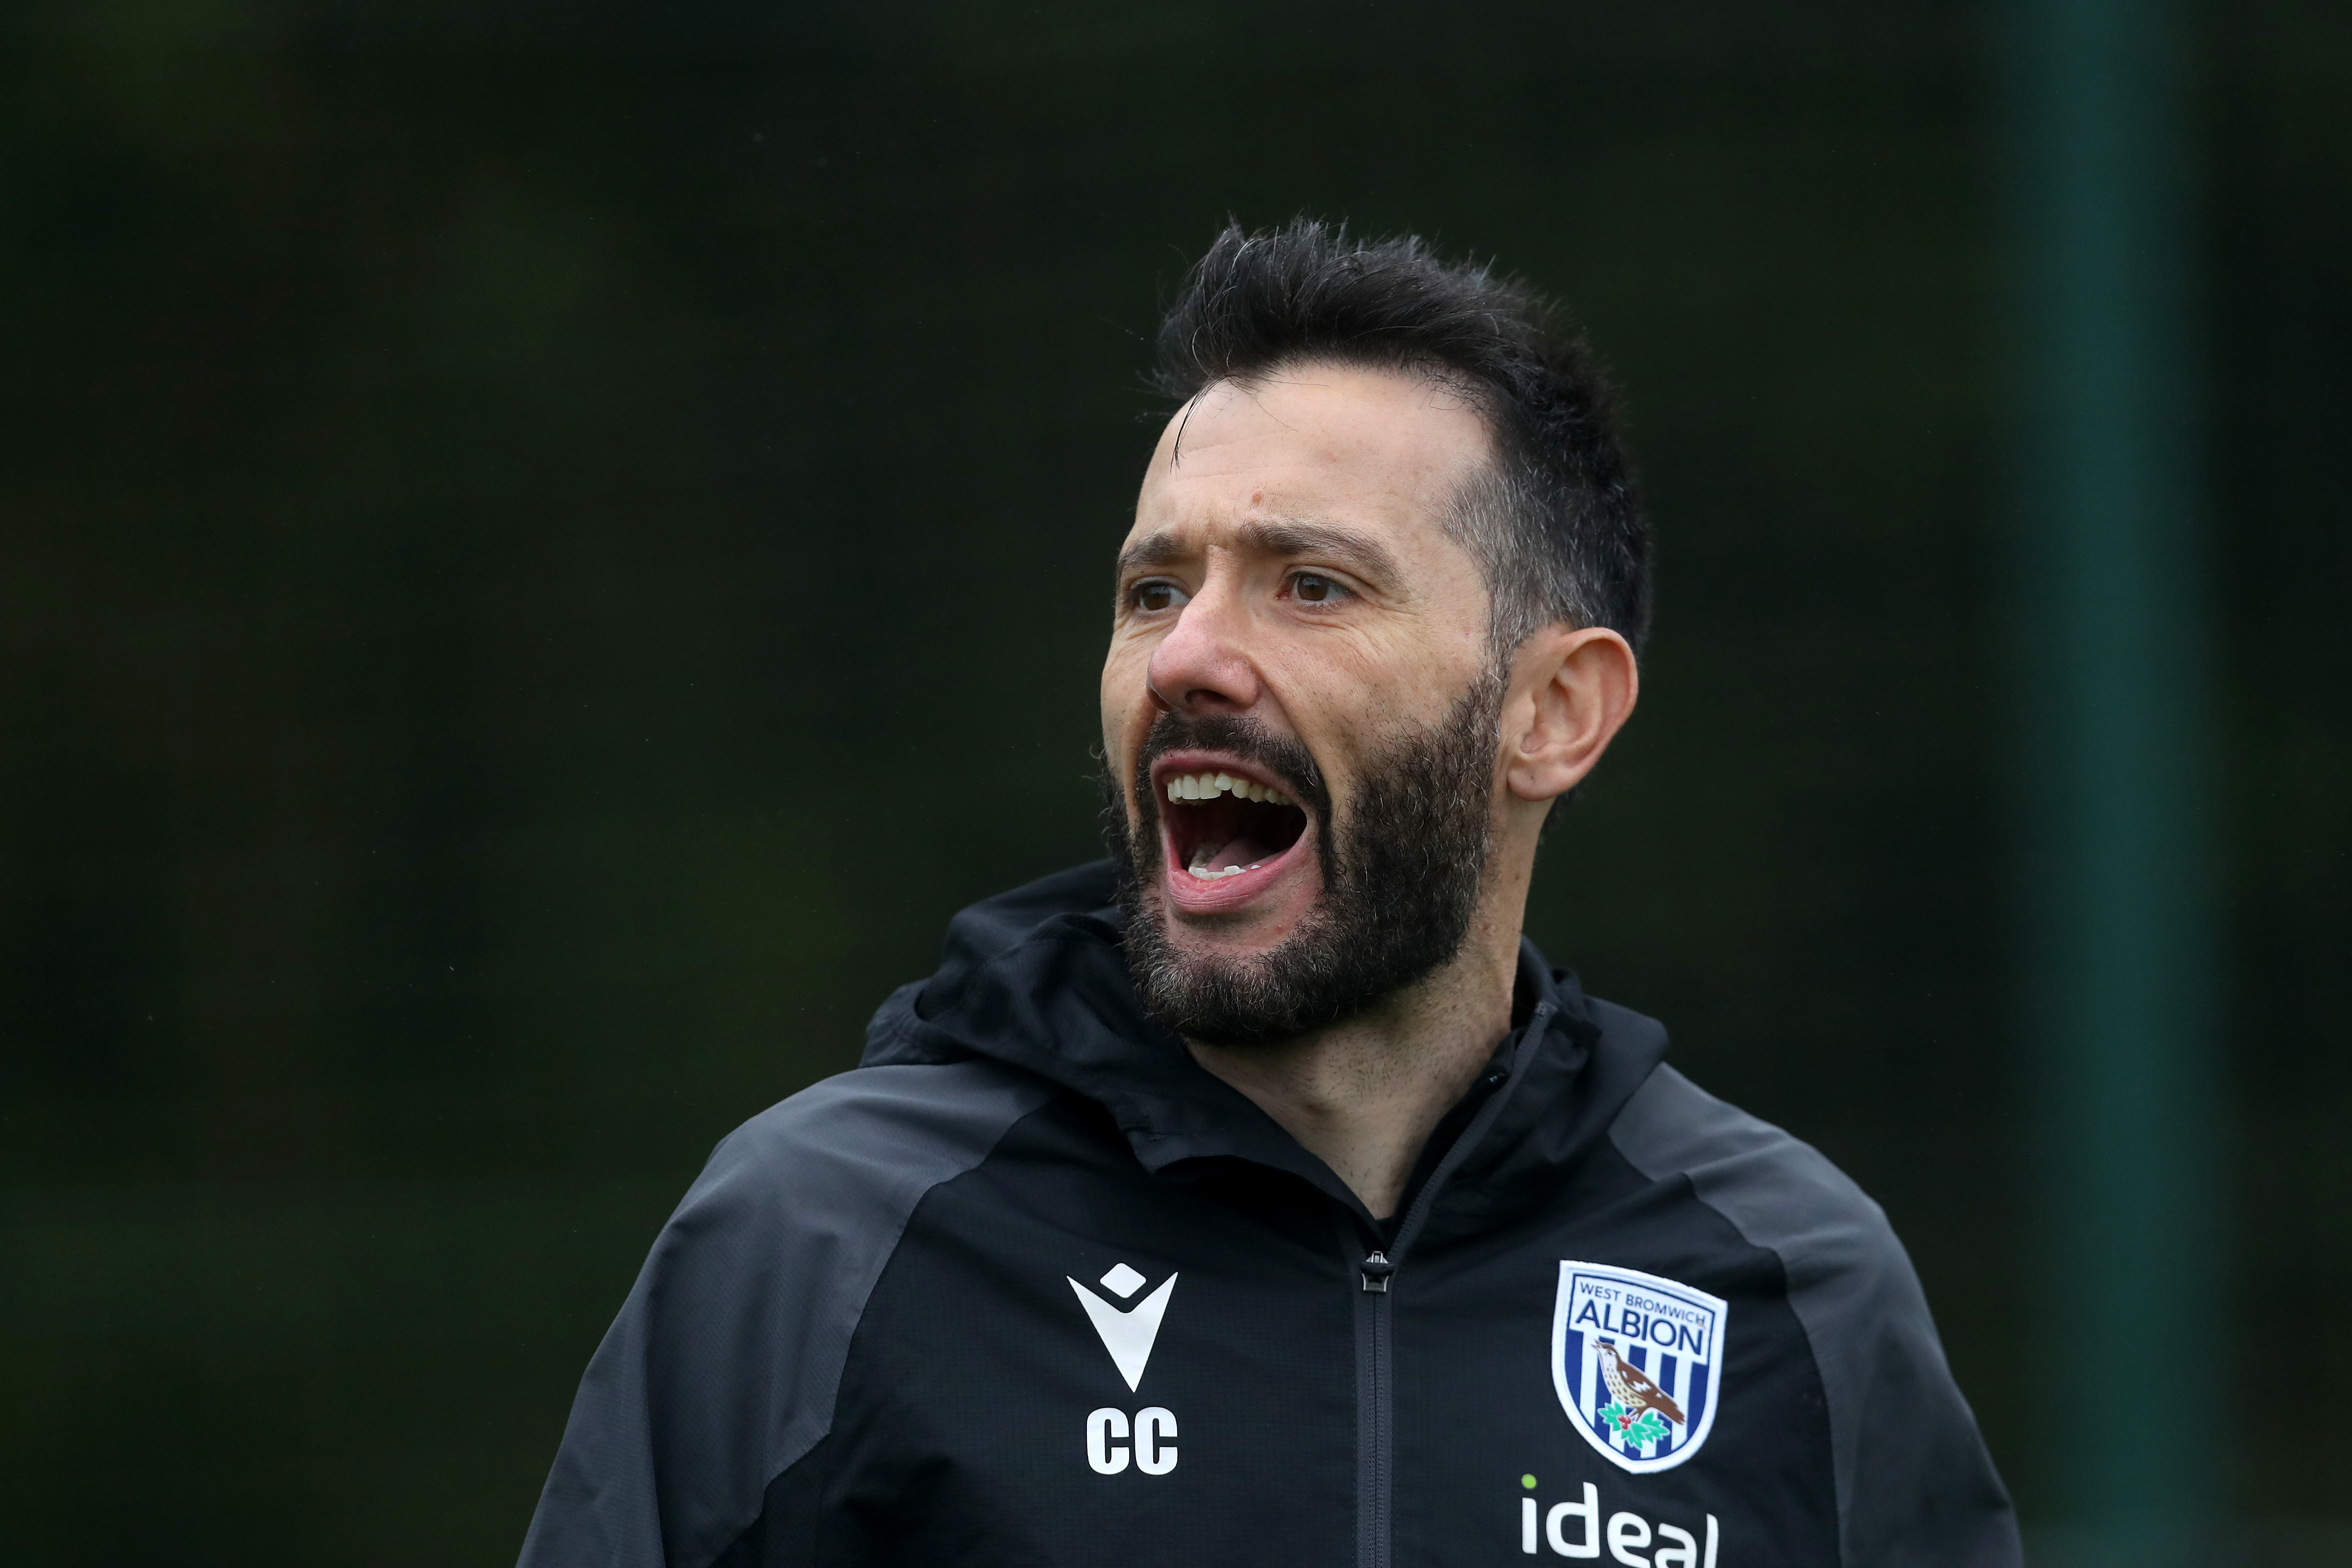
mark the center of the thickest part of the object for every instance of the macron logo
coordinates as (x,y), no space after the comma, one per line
(1127,1335)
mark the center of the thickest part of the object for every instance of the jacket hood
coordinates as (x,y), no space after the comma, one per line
(1036,979)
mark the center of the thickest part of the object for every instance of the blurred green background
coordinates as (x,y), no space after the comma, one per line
(544,550)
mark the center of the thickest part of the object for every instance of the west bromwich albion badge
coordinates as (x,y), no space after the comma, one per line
(1638,1361)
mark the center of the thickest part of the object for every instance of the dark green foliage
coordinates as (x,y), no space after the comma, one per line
(543,552)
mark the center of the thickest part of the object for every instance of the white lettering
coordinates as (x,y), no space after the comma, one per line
(1683,1554)
(1108,1458)
(1588,1510)
(1154,1456)
(1624,1534)
(1153,1431)
(1627,1531)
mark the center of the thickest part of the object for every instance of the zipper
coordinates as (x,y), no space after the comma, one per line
(1375,1272)
(1375,1410)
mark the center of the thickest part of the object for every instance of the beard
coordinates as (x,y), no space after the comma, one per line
(1400,875)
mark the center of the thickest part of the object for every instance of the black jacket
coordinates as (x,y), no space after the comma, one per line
(1029,1285)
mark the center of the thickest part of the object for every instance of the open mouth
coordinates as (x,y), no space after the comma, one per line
(1223,823)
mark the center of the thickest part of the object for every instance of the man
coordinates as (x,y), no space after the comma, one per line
(1260,1196)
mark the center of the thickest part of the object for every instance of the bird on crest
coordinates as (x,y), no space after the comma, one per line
(1633,1387)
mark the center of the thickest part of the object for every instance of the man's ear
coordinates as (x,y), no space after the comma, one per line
(1572,690)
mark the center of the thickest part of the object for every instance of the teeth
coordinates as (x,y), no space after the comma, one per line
(1209,787)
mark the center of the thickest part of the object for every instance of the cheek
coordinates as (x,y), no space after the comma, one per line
(1346,693)
(1350,704)
(1126,700)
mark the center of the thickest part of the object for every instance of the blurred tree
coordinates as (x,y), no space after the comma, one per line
(543,552)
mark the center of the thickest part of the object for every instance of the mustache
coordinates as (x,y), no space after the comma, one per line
(1289,762)
(1400,878)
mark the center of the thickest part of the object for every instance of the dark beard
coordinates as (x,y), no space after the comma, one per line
(1401,876)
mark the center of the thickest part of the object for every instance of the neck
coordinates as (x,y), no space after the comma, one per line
(1364,1094)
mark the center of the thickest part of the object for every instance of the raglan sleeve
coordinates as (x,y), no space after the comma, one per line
(1919,1488)
(708,1382)
(1915,1486)
(723,1369)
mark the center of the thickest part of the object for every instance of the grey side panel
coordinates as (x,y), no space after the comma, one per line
(722,1367)
(1914,1486)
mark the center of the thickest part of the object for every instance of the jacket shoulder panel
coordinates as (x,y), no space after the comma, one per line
(722,1368)
(1914,1482)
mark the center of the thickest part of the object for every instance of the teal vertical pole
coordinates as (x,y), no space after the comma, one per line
(2118,1314)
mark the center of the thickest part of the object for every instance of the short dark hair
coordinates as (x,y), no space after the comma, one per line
(1555,523)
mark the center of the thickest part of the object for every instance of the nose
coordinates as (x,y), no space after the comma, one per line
(1202,666)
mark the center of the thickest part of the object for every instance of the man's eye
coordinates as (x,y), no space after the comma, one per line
(1156,595)
(1314,588)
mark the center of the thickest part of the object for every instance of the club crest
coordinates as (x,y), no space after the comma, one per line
(1638,1361)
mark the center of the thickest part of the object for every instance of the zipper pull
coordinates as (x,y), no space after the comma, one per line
(1375,1271)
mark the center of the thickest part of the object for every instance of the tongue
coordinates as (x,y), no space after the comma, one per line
(1236,854)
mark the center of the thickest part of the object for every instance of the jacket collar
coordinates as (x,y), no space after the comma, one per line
(1036,978)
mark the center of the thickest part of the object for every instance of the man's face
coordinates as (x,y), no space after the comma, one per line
(1299,701)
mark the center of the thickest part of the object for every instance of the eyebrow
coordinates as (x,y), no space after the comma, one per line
(1365,554)
(1152,550)
(1291,537)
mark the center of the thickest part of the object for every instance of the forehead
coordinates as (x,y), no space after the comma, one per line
(1340,444)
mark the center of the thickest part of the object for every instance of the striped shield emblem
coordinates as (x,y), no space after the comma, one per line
(1638,1363)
